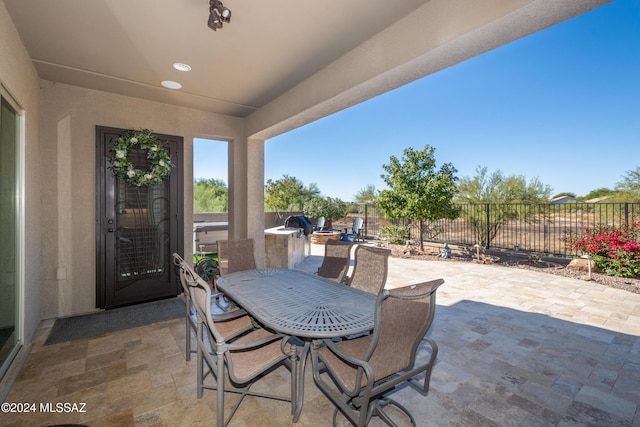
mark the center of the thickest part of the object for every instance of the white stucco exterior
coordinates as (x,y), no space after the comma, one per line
(69,117)
(20,80)
(60,119)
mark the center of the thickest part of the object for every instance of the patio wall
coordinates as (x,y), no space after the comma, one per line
(20,79)
(271,219)
(68,120)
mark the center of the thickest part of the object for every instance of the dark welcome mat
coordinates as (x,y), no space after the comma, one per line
(89,325)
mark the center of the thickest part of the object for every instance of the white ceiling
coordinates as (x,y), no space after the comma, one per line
(128,46)
(279,63)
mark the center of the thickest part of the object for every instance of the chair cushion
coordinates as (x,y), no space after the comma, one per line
(247,364)
(232,328)
(395,348)
(343,372)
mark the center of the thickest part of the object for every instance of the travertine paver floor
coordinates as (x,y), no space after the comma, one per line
(517,348)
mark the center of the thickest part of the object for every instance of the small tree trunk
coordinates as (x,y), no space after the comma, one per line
(421,234)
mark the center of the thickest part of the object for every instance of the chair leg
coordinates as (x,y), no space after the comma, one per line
(215,365)
(378,410)
(335,416)
(187,324)
(220,388)
(199,359)
(356,417)
(294,375)
(434,354)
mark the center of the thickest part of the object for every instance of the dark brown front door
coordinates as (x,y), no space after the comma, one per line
(137,228)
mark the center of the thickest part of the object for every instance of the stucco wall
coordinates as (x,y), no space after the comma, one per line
(68,120)
(19,78)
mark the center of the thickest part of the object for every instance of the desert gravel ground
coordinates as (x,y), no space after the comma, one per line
(628,284)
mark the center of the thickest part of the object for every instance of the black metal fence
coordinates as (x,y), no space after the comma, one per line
(540,228)
(371,214)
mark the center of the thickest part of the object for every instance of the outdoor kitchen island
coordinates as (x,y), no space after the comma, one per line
(284,247)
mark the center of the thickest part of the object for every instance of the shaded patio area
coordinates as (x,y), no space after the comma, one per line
(517,348)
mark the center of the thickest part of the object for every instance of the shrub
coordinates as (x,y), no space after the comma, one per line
(615,251)
(395,233)
(328,207)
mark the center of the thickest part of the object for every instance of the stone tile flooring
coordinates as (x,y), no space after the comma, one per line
(517,348)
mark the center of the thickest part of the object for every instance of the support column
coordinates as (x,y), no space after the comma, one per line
(246,192)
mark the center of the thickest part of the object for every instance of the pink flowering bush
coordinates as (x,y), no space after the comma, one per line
(616,252)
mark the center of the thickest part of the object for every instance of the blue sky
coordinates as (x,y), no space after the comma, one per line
(562,105)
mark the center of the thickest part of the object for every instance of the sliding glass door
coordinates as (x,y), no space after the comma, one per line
(9,232)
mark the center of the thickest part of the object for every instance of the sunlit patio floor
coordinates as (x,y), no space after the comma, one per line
(517,348)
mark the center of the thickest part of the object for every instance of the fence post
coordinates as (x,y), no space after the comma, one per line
(626,213)
(488,226)
(366,219)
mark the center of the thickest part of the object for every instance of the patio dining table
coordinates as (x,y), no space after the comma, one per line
(301,305)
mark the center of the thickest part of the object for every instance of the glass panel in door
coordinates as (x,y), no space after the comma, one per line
(142,233)
(8,233)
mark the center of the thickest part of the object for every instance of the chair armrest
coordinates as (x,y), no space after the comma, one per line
(256,343)
(415,291)
(229,315)
(342,355)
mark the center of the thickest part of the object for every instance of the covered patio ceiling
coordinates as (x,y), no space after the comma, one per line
(279,64)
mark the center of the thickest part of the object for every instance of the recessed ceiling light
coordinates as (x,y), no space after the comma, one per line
(181,66)
(171,84)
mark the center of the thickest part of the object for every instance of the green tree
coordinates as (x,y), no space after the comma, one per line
(503,199)
(630,181)
(310,191)
(288,194)
(367,194)
(498,188)
(328,207)
(628,189)
(210,195)
(417,190)
(600,192)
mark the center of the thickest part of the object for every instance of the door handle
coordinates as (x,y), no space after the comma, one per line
(111,230)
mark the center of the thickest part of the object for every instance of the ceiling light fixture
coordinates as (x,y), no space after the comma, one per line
(218,14)
(171,84)
(181,66)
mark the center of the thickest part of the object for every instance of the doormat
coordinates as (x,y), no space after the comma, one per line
(104,322)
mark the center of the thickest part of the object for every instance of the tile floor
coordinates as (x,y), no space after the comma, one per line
(517,348)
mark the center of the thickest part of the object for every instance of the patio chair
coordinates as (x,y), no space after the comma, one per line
(356,231)
(335,264)
(370,269)
(357,374)
(243,361)
(237,321)
(236,255)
